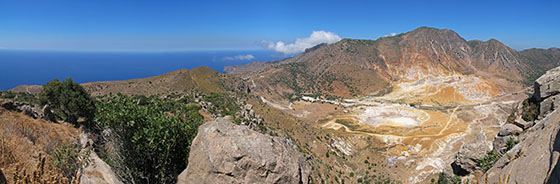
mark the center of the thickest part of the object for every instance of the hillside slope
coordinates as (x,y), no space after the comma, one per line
(403,63)
(201,79)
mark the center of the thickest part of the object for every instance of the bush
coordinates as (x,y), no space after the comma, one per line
(67,160)
(530,110)
(154,138)
(19,97)
(510,143)
(224,104)
(487,161)
(8,95)
(68,99)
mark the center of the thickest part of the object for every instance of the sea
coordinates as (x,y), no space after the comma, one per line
(34,67)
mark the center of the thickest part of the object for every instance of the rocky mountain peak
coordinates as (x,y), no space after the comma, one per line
(432,35)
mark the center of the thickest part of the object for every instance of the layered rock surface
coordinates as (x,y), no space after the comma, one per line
(223,152)
(535,158)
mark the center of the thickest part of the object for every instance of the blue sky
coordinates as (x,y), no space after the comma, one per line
(236,25)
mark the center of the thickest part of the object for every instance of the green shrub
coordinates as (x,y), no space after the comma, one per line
(488,160)
(530,110)
(8,95)
(19,97)
(155,136)
(68,99)
(510,143)
(26,97)
(223,104)
(67,159)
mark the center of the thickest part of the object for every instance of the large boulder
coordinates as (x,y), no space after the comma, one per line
(223,152)
(509,129)
(520,122)
(469,153)
(547,85)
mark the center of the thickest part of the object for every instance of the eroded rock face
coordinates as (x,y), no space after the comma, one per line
(223,152)
(549,104)
(547,85)
(468,155)
(535,158)
(510,129)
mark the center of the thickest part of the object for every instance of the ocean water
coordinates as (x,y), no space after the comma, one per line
(38,67)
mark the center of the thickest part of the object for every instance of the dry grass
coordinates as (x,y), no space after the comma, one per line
(24,145)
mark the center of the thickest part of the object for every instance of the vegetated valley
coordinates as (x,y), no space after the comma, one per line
(426,106)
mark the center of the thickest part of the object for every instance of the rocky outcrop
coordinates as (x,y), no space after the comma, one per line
(535,158)
(509,129)
(223,152)
(32,110)
(547,90)
(547,85)
(469,153)
(98,172)
(249,117)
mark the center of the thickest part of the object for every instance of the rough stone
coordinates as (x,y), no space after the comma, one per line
(500,143)
(223,152)
(509,129)
(47,114)
(549,104)
(8,105)
(547,85)
(468,155)
(538,157)
(523,124)
(98,172)
(31,110)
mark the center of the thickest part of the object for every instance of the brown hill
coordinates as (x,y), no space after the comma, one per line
(201,79)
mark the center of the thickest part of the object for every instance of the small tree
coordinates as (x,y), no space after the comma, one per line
(68,99)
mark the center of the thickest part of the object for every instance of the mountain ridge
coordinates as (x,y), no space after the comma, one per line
(355,67)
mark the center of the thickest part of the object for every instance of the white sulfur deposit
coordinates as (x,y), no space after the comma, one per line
(393,115)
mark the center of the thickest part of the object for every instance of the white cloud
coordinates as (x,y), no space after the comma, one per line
(390,34)
(301,44)
(240,57)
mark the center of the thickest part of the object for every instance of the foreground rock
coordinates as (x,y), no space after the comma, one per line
(547,90)
(468,155)
(535,158)
(98,172)
(223,152)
